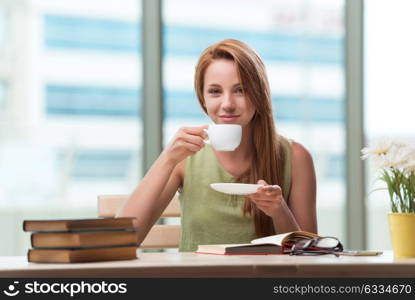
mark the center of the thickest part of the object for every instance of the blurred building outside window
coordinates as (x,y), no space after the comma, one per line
(71,126)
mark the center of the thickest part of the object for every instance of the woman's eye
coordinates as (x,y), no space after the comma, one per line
(214,91)
(239,91)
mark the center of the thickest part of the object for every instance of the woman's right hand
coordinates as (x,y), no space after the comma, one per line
(187,141)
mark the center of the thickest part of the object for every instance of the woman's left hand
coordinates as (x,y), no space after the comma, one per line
(268,198)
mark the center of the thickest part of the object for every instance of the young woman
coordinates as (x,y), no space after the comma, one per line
(232,88)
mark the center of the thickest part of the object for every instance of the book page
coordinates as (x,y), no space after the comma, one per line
(278,238)
(272,239)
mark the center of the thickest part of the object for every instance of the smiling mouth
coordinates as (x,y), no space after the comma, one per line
(229,117)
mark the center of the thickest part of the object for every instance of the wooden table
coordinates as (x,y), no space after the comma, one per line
(152,265)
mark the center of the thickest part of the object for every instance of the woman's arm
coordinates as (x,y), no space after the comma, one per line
(302,202)
(151,196)
(158,187)
(300,211)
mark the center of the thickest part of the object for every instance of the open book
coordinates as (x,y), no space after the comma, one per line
(274,244)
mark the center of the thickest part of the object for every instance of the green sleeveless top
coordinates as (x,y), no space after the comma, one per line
(211,217)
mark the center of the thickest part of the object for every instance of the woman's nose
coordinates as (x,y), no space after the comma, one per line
(228,102)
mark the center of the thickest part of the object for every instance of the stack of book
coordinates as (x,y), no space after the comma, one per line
(81,240)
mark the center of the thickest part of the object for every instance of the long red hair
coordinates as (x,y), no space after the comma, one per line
(267,159)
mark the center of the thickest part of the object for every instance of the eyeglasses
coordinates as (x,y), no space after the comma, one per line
(317,246)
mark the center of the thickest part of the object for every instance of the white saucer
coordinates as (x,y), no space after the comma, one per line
(235,188)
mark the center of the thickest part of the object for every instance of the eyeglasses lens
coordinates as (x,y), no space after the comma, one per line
(327,243)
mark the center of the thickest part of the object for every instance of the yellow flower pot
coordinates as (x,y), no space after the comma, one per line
(402,230)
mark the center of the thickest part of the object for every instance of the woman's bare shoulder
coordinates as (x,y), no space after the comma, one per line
(301,155)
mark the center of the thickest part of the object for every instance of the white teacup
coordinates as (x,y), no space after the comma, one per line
(224,137)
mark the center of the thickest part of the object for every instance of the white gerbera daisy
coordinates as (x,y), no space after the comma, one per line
(397,161)
(388,153)
(381,147)
(401,156)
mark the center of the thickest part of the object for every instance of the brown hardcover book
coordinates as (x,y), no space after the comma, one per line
(240,249)
(78,224)
(81,255)
(83,239)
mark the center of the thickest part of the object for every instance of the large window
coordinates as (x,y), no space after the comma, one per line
(72,128)
(389,97)
(301,43)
